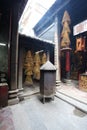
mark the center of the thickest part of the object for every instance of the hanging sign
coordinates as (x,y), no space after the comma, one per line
(80,28)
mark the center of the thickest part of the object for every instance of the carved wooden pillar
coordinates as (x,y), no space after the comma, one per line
(13,89)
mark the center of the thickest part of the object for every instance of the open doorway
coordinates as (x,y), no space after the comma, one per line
(31,53)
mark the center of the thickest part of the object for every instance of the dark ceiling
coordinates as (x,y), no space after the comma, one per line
(5,5)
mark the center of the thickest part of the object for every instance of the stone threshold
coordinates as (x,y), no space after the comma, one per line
(76,103)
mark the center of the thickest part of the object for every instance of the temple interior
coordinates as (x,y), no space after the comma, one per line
(60,36)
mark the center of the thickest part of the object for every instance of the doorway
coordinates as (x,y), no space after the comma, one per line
(31,52)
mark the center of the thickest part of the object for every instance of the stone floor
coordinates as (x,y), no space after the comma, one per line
(67,92)
(73,92)
(32,114)
(73,95)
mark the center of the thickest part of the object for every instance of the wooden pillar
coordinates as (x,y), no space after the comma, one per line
(20,74)
(68,64)
(56,51)
(13,99)
(67,51)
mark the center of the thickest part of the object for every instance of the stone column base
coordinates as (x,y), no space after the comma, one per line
(20,94)
(13,101)
(13,97)
(58,82)
(67,81)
